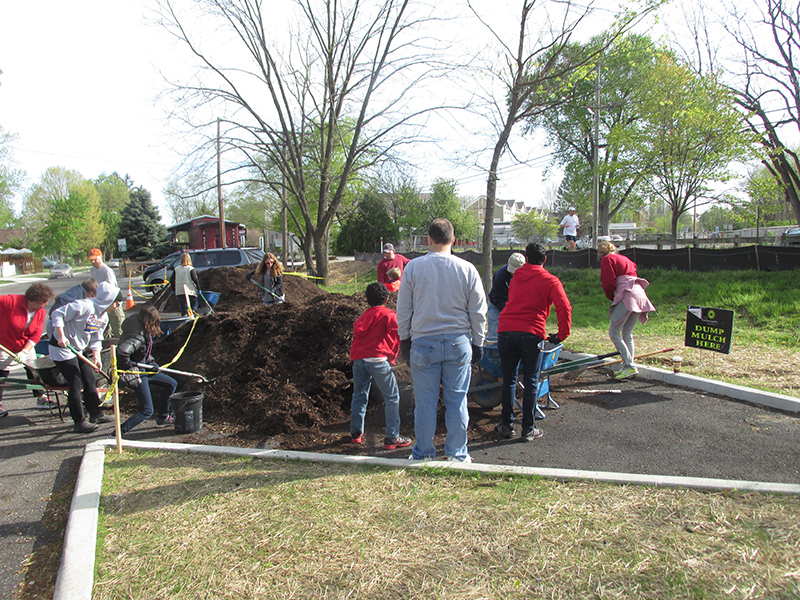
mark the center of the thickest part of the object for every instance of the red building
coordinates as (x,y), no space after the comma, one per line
(204,233)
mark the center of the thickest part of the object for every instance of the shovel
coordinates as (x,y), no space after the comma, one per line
(13,355)
(176,372)
(270,292)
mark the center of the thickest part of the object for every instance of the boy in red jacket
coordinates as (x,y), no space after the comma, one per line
(375,347)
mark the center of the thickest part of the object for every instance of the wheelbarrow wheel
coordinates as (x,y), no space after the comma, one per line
(487,398)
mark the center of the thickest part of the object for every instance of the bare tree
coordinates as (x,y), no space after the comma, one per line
(330,101)
(545,29)
(767,83)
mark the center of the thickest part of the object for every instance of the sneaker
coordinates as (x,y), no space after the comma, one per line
(531,434)
(3,411)
(43,403)
(356,438)
(398,442)
(453,459)
(84,427)
(625,373)
(164,421)
(99,418)
(505,431)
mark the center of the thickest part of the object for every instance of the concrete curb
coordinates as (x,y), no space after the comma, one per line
(731,390)
(76,573)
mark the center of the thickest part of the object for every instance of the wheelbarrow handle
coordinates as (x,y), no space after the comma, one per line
(173,371)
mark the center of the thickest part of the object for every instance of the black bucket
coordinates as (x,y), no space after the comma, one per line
(188,410)
(406,400)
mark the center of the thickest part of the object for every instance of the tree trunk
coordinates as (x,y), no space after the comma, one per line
(321,251)
(491,194)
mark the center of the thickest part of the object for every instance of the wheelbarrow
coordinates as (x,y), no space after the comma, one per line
(46,378)
(486,383)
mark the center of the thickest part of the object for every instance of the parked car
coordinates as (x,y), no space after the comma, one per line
(62,270)
(113,263)
(48,264)
(792,236)
(159,274)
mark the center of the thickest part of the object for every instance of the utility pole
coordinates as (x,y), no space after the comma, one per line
(222,235)
(596,157)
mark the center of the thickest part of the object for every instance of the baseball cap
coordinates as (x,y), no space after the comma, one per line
(95,252)
(388,248)
(572,208)
(515,261)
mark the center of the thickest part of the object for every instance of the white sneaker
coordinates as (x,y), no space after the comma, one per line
(466,461)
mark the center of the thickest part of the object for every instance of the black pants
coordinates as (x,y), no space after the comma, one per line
(80,376)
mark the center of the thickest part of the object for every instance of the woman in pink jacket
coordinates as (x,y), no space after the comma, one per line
(629,302)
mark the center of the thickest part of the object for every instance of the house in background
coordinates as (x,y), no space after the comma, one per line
(203,232)
(504,210)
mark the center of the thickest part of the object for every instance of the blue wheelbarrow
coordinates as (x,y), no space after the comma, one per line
(487,378)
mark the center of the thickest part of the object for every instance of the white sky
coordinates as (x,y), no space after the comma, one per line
(78,87)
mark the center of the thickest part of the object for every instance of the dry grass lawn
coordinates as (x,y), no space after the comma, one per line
(189,526)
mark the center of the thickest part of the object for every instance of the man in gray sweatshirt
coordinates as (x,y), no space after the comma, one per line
(441,318)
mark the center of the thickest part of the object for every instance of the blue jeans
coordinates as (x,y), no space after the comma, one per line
(363,374)
(184,307)
(446,360)
(492,318)
(513,347)
(166,386)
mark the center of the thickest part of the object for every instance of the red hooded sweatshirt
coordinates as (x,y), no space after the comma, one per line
(531,294)
(375,335)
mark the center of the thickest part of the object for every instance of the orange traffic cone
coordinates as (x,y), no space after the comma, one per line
(129,304)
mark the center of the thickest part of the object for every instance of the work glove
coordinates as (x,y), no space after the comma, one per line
(405,350)
(153,367)
(131,380)
(553,339)
(249,277)
(477,353)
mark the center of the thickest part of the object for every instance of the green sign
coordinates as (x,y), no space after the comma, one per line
(709,328)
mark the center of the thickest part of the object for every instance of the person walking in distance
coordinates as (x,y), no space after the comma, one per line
(441,318)
(570,224)
(629,303)
(374,350)
(520,331)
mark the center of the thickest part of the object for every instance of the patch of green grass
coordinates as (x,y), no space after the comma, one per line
(766,305)
(192,526)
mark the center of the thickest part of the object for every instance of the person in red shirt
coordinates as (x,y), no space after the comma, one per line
(393,275)
(629,303)
(390,260)
(521,328)
(374,349)
(21,324)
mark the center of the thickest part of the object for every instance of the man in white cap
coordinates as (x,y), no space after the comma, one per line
(570,224)
(390,260)
(498,295)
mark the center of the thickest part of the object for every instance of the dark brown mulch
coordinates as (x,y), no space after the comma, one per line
(279,374)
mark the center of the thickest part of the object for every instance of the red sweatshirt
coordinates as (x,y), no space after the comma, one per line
(611,267)
(14,331)
(530,295)
(375,335)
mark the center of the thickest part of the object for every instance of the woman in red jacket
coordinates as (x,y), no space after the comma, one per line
(629,302)
(21,324)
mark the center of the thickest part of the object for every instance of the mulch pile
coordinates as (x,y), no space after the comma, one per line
(279,374)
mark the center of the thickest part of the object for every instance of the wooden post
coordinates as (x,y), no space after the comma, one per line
(115,378)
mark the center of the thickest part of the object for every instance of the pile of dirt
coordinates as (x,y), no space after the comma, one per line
(275,371)
(236,292)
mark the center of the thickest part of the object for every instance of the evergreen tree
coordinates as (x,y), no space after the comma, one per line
(362,230)
(146,237)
